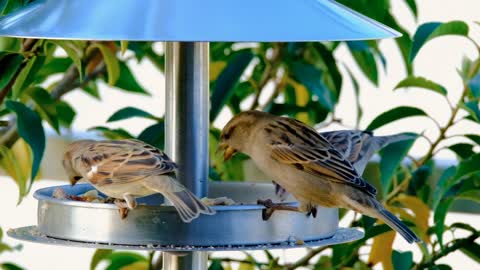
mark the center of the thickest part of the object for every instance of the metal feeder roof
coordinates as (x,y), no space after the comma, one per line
(192,20)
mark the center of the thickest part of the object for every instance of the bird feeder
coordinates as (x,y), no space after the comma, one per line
(187,26)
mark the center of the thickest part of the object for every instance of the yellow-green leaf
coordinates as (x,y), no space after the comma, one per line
(123,46)
(246,266)
(111,61)
(382,249)
(74,50)
(141,265)
(421,211)
(11,166)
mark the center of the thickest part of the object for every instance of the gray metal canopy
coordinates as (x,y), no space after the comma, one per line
(192,20)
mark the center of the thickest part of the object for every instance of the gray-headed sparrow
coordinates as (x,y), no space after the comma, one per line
(306,164)
(126,169)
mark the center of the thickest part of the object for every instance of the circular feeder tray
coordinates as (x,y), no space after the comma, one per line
(152,226)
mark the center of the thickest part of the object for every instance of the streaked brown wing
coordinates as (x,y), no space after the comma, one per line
(124,161)
(300,146)
(352,144)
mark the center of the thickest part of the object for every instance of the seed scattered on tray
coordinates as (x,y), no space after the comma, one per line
(89,196)
(218,201)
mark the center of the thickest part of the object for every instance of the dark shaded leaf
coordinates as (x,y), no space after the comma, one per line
(402,260)
(419,179)
(311,77)
(472,108)
(468,167)
(442,185)
(391,157)
(154,135)
(129,112)
(421,82)
(30,128)
(467,227)
(91,88)
(98,256)
(224,85)
(393,115)
(10,64)
(65,113)
(472,250)
(112,134)
(331,64)
(439,218)
(215,265)
(431,30)
(10,266)
(365,59)
(127,81)
(462,150)
(404,43)
(54,66)
(46,106)
(474,85)
(474,137)
(412,5)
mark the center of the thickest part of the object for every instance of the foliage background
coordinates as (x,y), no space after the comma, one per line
(302,80)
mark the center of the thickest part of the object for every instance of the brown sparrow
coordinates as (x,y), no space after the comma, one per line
(306,164)
(127,169)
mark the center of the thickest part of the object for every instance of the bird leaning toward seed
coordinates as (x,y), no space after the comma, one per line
(307,165)
(129,169)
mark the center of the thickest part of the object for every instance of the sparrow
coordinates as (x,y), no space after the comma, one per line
(129,169)
(357,146)
(306,164)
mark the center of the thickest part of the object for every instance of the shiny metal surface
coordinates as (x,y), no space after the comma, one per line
(187,127)
(187,109)
(192,20)
(31,234)
(154,224)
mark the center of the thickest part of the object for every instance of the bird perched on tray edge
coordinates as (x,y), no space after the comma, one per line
(314,170)
(127,169)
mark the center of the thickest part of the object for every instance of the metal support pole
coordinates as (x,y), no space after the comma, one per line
(187,127)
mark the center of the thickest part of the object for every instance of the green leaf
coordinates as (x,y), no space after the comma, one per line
(472,250)
(393,115)
(472,108)
(412,5)
(30,128)
(127,81)
(98,256)
(311,77)
(471,195)
(154,135)
(46,106)
(442,185)
(91,88)
(121,259)
(468,167)
(8,6)
(365,59)
(224,85)
(10,266)
(11,45)
(215,265)
(111,61)
(474,85)
(10,64)
(431,30)
(462,150)
(474,137)
(129,112)
(27,75)
(439,218)
(53,66)
(74,50)
(112,134)
(11,166)
(402,260)
(66,114)
(421,82)
(391,158)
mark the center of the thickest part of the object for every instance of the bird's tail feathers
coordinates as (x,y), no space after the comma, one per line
(383,141)
(185,202)
(394,223)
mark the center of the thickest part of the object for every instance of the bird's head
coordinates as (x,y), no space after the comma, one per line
(235,135)
(73,152)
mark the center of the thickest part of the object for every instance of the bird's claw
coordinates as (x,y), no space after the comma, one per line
(312,212)
(268,210)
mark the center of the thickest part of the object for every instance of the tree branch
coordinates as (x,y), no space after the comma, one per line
(306,259)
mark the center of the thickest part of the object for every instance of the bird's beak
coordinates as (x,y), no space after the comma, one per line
(228,151)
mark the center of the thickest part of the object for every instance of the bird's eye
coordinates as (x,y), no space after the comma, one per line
(76,178)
